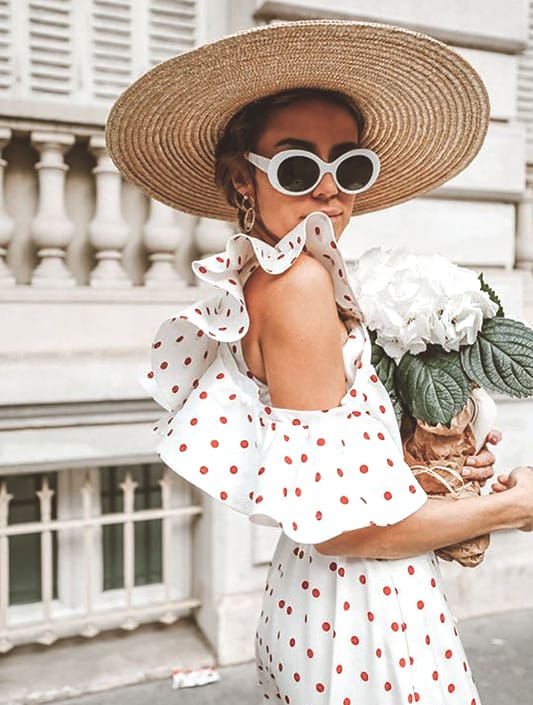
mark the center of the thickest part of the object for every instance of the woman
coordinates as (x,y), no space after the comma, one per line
(274,406)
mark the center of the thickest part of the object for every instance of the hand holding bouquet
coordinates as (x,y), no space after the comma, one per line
(439,340)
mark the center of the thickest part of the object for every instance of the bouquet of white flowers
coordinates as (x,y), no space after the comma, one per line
(439,339)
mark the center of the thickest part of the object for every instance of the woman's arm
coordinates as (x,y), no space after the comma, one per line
(437,523)
(296,316)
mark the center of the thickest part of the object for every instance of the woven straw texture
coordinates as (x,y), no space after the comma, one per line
(425,107)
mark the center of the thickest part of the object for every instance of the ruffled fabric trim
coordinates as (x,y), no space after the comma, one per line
(186,345)
(314,473)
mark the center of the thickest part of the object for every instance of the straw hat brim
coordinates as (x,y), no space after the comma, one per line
(425,107)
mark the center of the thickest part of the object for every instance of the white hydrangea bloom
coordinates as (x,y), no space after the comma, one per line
(415,300)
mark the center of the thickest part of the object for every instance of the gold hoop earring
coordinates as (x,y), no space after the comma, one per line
(248,207)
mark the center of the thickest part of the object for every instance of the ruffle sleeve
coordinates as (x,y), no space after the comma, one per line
(313,473)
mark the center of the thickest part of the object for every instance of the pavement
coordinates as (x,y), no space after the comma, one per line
(499,648)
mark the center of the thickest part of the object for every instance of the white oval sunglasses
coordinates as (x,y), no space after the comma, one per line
(296,172)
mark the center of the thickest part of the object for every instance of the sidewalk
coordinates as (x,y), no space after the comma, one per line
(499,648)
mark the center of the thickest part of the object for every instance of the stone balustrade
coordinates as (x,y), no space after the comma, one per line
(67,218)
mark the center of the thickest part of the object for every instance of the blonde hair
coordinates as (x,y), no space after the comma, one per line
(245,127)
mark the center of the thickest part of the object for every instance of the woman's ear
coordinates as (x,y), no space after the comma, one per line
(240,177)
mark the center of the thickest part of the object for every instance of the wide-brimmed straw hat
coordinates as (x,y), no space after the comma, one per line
(426,109)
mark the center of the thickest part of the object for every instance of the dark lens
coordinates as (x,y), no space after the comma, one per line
(297,173)
(355,172)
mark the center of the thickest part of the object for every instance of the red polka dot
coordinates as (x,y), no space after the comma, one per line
(364,675)
(315,592)
(296,677)
(320,442)
(354,640)
(304,458)
(420,604)
(320,687)
(346,701)
(389,462)
(402,662)
(183,447)
(435,675)
(346,606)
(214,443)
(448,653)
(387,495)
(318,515)
(292,642)
(388,685)
(451,688)
(234,469)
(244,444)
(344,499)
(223,495)
(326,626)
(395,626)
(310,653)
(370,616)
(318,477)
(381,436)
(363,468)
(223,419)
(362,579)
(204,469)
(339,668)
(163,365)
(378,652)
(175,389)
(387,590)
(194,422)
(410,569)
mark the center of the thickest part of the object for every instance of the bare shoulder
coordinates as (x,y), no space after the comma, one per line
(297,329)
(288,297)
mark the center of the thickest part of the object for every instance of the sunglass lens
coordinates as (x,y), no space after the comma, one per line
(297,174)
(355,172)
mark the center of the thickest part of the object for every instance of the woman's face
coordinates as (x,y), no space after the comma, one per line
(326,129)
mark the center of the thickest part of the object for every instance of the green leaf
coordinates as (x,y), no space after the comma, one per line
(386,371)
(492,294)
(501,359)
(433,385)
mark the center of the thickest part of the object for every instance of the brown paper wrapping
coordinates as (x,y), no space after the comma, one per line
(436,455)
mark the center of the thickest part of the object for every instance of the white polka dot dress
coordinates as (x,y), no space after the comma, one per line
(332,630)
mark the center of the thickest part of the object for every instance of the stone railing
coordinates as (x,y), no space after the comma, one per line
(68,219)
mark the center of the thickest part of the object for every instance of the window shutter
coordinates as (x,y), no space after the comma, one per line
(525,89)
(6,49)
(50,51)
(111,49)
(172,28)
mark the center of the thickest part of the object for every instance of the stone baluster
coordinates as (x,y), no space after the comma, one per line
(6,223)
(51,229)
(524,227)
(162,234)
(211,235)
(108,233)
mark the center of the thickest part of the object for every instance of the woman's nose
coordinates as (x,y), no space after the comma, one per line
(326,187)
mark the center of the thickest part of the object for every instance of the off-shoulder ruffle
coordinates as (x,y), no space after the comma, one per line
(314,473)
(186,344)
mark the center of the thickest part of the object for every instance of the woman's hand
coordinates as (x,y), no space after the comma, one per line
(520,477)
(481,466)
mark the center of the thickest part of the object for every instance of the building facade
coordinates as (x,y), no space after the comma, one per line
(95,533)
